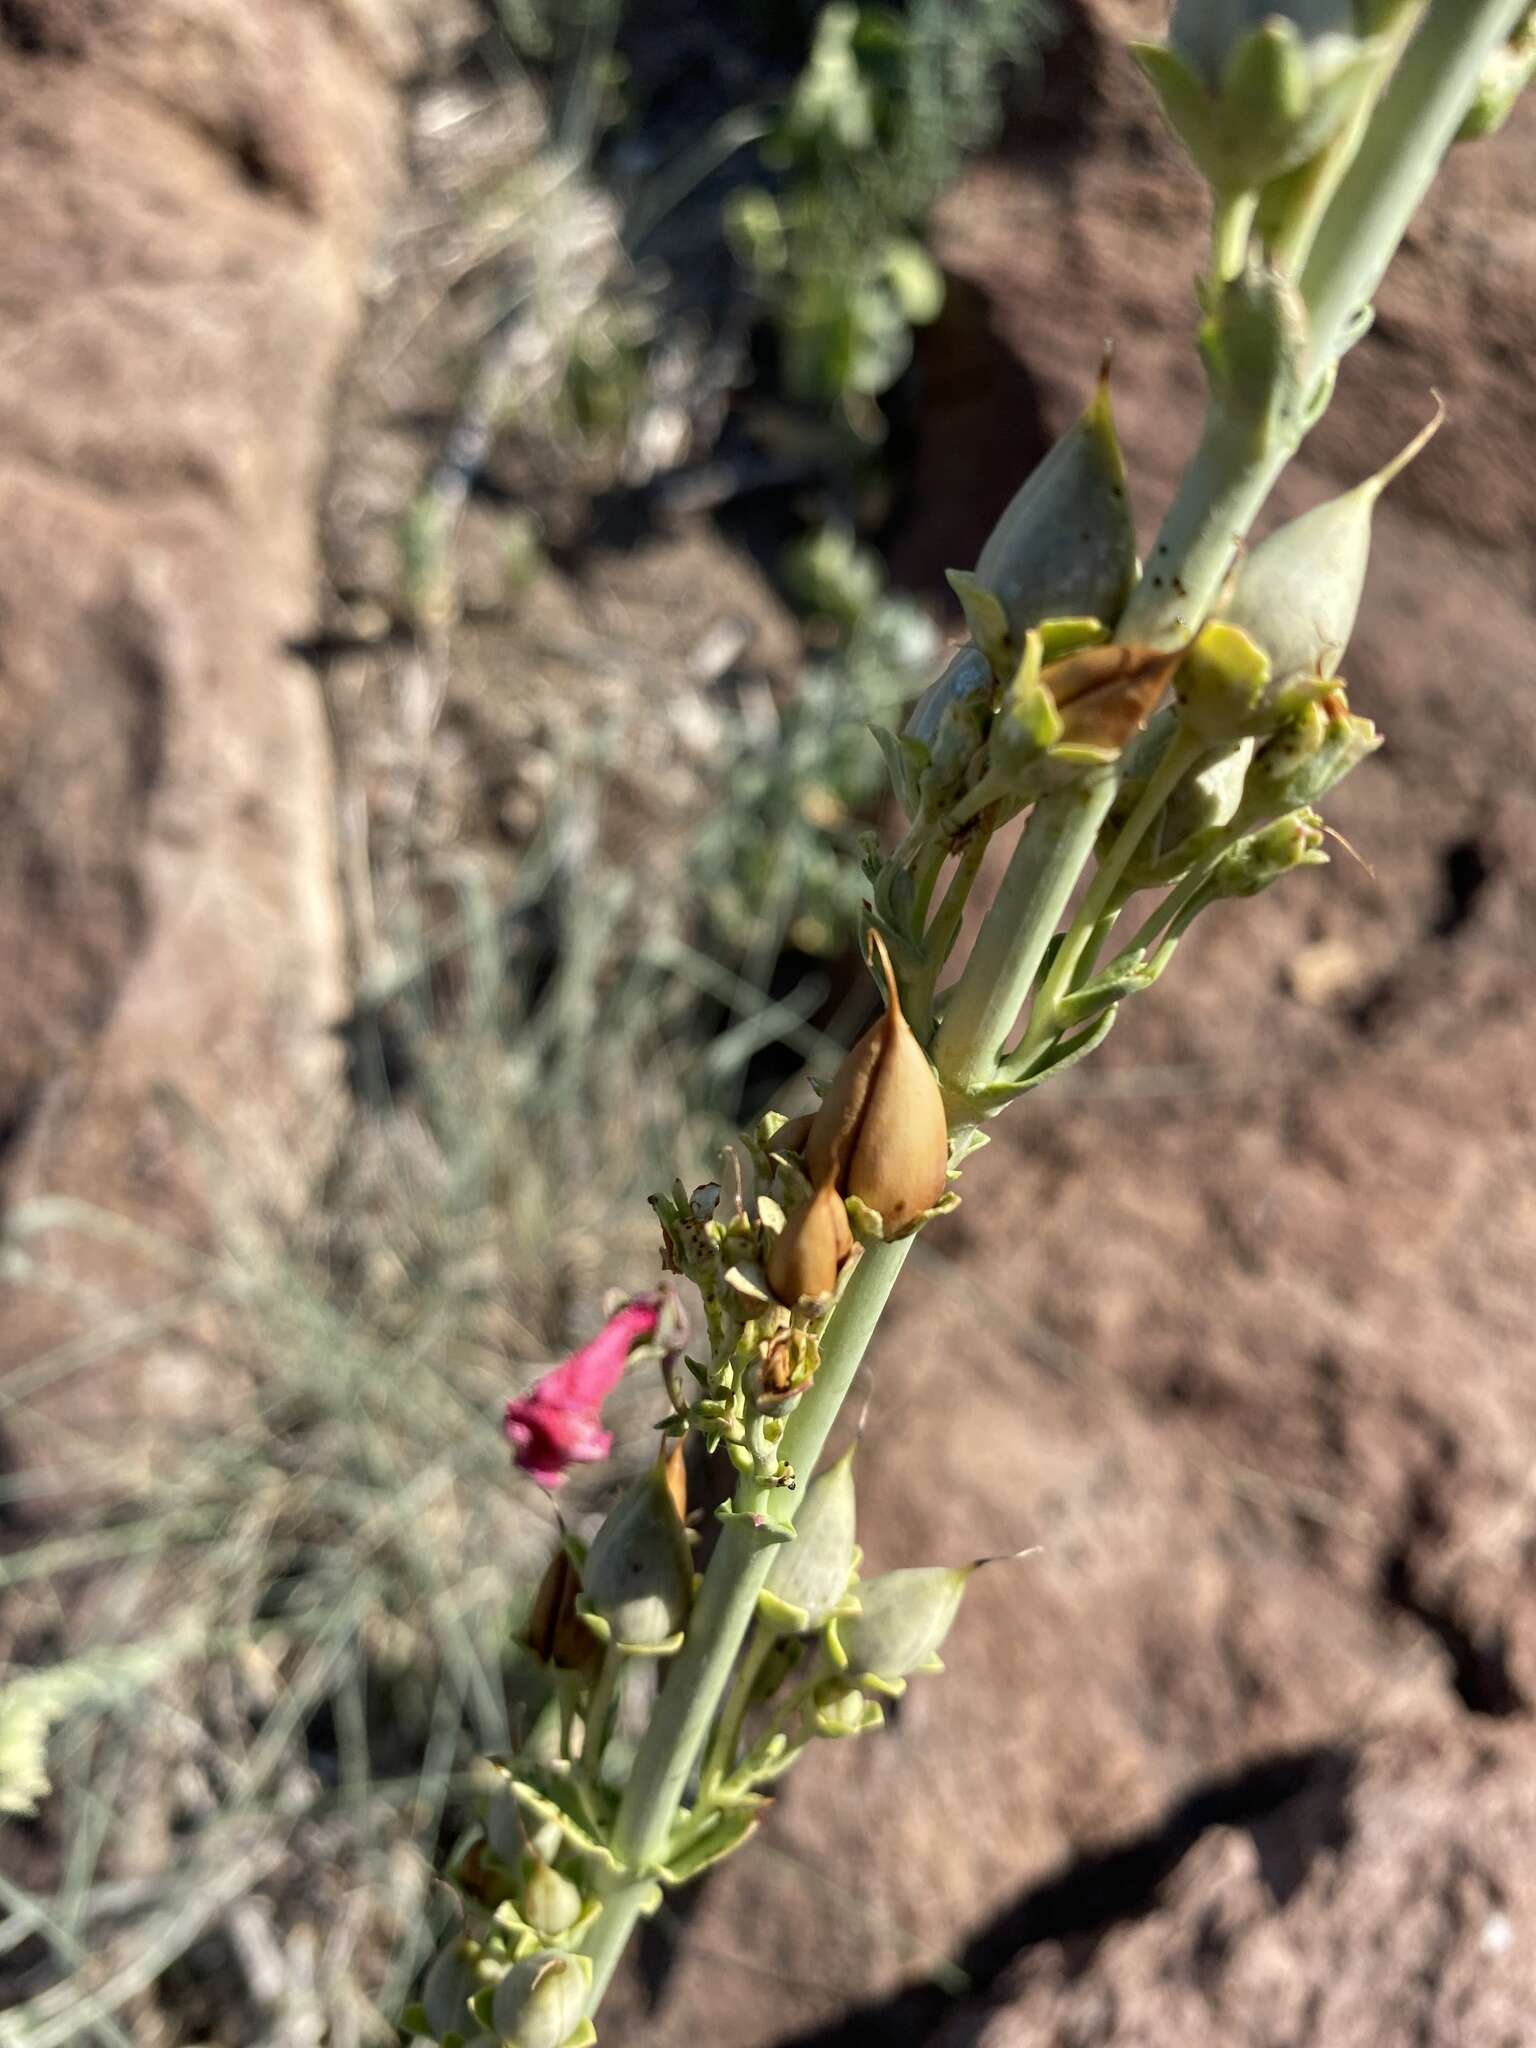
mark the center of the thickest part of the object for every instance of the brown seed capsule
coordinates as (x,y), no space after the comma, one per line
(881,1134)
(1105,693)
(791,1137)
(674,1465)
(554,1631)
(805,1256)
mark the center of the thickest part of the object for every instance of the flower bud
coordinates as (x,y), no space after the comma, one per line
(541,2001)
(1298,592)
(809,1577)
(1254,91)
(805,1257)
(638,1576)
(1303,761)
(1504,77)
(451,1983)
(554,1630)
(903,1618)
(881,1134)
(549,1903)
(1295,841)
(1065,546)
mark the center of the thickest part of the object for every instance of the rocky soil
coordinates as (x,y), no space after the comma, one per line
(1235,1327)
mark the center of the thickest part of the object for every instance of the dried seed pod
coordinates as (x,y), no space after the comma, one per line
(804,1258)
(881,1132)
(554,1631)
(674,1467)
(1105,693)
(790,1137)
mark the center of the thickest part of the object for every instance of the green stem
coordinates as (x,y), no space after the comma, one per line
(1161,783)
(1413,126)
(1226,485)
(594,1720)
(984,1004)
(697,1677)
(1221,493)
(722,1750)
(1231,227)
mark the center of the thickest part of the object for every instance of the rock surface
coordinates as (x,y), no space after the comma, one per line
(191,189)
(1231,1322)
(1389,1899)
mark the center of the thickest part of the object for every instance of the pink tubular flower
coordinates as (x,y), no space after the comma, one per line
(558,1422)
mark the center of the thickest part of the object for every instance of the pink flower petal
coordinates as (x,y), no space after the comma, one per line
(558,1422)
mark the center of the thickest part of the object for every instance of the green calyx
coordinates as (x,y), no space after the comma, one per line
(638,1576)
(809,1584)
(1295,841)
(1254,92)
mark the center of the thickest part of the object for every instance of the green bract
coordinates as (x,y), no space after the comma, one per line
(1254,91)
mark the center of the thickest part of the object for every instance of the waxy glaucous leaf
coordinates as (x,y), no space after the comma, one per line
(1252,90)
(808,1581)
(1297,593)
(1064,548)
(638,1576)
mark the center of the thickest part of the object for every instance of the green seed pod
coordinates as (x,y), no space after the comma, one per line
(638,1576)
(1253,94)
(549,1903)
(1298,592)
(903,1618)
(881,1133)
(1065,546)
(451,1983)
(541,2001)
(805,1257)
(809,1578)
(1291,842)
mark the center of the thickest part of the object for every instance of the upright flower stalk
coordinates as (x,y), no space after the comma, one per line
(1166,733)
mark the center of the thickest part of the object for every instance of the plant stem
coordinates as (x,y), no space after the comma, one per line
(1221,492)
(984,1004)
(1413,126)
(722,1751)
(1226,485)
(1181,756)
(1231,227)
(697,1677)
